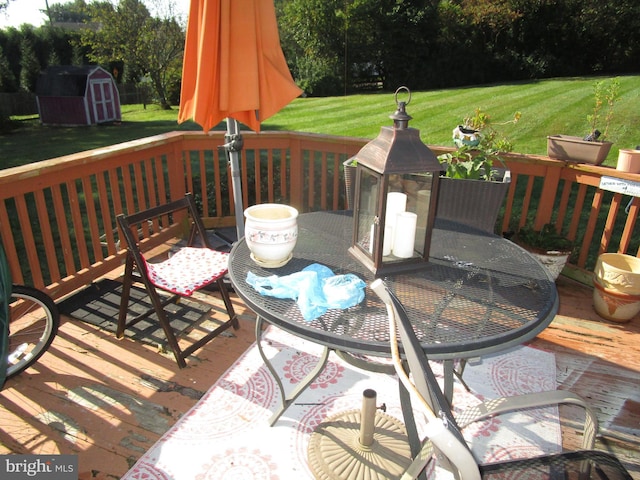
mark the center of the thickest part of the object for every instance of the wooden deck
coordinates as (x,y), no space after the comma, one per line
(109,400)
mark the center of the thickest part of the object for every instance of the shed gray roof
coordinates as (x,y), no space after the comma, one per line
(64,81)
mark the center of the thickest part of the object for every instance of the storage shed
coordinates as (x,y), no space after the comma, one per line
(72,95)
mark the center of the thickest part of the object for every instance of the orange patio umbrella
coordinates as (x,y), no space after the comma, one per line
(234,68)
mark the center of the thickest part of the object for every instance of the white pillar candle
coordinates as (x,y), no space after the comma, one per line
(405,234)
(372,232)
(388,240)
(396,203)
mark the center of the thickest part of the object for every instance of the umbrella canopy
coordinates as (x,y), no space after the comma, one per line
(233,64)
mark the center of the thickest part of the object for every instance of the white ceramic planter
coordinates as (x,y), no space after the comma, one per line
(553,261)
(619,272)
(613,305)
(271,233)
(628,160)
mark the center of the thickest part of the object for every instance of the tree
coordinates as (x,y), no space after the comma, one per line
(163,46)
(7,79)
(335,46)
(29,66)
(118,38)
(73,12)
(10,41)
(145,46)
(312,34)
(408,33)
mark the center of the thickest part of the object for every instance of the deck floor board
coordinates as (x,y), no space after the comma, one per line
(109,400)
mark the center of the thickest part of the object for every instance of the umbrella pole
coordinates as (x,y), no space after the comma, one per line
(233,146)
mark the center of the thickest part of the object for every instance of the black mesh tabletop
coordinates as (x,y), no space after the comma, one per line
(479,293)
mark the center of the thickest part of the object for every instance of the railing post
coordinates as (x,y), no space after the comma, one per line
(176,166)
(547,197)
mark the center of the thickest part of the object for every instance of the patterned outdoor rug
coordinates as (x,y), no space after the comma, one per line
(227,435)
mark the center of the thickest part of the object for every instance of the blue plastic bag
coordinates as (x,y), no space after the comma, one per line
(315,288)
(343,291)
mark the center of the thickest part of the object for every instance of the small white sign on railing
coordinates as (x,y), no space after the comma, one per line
(620,185)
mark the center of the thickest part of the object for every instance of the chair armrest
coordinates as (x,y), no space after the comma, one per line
(502,405)
(458,455)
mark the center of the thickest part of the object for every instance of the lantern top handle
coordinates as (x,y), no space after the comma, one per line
(400,117)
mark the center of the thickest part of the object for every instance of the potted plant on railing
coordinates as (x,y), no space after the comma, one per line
(629,160)
(594,147)
(549,246)
(475,180)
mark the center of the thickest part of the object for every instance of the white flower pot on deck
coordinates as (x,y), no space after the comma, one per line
(616,282)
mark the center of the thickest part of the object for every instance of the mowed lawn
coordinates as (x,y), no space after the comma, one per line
(547,107)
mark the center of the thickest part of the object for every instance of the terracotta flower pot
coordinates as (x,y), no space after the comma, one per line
(575,149)
(628,161)
(613,305)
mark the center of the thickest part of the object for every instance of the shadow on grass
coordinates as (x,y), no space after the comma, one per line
(31,142)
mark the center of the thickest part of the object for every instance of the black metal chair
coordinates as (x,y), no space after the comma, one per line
(444,442)
(188,268)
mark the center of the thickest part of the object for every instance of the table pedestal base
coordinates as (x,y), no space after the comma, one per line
(336,453)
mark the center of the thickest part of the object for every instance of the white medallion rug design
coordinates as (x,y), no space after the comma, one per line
(226,435)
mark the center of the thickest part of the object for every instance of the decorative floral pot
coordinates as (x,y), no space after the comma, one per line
(553,261)
(271,233)
(613,305)
(465,136)
(628,161)
(619,272)
(575,149)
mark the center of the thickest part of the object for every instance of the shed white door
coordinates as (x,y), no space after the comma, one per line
(104,108)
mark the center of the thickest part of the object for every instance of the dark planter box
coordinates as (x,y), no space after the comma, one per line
(472,202)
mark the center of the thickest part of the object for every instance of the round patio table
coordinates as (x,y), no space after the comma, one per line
(478,294)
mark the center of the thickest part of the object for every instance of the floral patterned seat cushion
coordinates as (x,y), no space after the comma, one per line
(188,270)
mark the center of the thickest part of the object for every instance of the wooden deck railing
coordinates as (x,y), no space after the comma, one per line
(57,217)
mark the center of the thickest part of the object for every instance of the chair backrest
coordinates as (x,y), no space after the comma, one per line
(147,222)
(443,431)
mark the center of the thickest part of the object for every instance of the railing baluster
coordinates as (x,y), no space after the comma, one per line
(47,236)
(63,230)
(632,212)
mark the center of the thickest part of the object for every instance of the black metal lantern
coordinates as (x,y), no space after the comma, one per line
(396,190)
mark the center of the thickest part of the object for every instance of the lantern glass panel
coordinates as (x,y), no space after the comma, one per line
(367,206)
(407,216)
